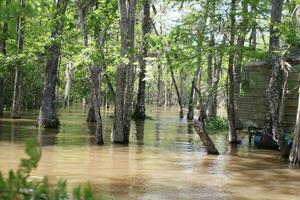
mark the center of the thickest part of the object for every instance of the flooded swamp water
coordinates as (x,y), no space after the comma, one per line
(164,160)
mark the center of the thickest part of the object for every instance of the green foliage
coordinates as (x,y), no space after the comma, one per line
(18,185)
(216,124)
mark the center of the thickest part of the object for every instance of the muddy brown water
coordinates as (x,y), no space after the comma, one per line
(164,160)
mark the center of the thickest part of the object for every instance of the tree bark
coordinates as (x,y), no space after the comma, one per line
(4,52)
(272,128)
(210,77)
(232,136)
(176,88)
(243,27)
(16,104)
(159,83)
(68,77)
(207,142)
(140,107)
(190,115)
(295,151)
(48,117)
(123,101)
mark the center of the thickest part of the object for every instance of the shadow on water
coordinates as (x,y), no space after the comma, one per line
(164,160)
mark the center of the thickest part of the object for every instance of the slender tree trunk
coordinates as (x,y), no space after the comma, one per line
(123,101)
(94,114)
(272,127)
(4,52)
(210,77)
(176,88)
(295,151)
(16,105)
(68,77)
(190,115)
(140,108)
(243,27)
(232,136)
(48,117)
(159,72)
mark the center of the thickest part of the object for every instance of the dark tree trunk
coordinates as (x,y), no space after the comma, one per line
(176,88)
(123,101)
(272,127)
(207,142)
(130,70)
(295,151)
(159,83)
(48,117)
(4,52)
(140,107)
(232,136)
(16,104)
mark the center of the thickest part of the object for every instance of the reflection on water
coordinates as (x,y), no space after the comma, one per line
(164,160)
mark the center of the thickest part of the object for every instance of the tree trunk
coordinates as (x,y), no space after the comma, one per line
(272,127)
(190,115)
(176,88)
(94,75)
(232,136)
(94,114)
(123,104)
(159,73)
(140,108)
(295,151)
(4,52)
(16,104)
(210,77)
(68,77)
(48,117)
(130,69)
(207,142)
(243,27)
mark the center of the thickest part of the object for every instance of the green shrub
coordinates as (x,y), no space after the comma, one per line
(216,124)
(17,186)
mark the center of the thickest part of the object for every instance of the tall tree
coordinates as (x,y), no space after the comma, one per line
(3,44)
(16,104)
(125,73)
(48,117)
(200,38)
(272,127)
(232,136)
(140,107)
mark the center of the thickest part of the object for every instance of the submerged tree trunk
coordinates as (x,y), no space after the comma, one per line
(68,77)
(94,69)
(207,142)
(232,136)
(48,117)
(159,83)
(272,127)
(140,107)
(16,104)
(295,151)
(123,101)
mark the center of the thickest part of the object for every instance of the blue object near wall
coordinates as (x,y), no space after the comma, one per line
(257,138)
